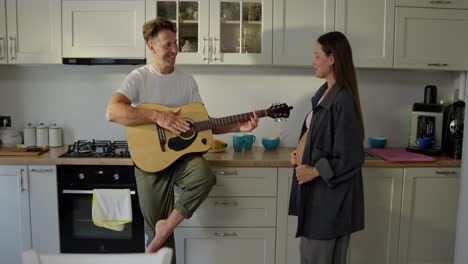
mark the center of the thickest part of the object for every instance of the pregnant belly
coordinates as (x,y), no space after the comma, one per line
(300,148)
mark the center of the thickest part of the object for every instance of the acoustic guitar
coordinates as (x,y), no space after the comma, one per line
(153,148)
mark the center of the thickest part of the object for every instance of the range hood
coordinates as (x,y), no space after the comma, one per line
(104,61)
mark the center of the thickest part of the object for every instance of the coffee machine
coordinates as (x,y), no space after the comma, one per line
(427,121)
(454,129)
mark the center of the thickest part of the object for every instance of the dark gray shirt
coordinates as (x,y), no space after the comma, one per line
(331,205)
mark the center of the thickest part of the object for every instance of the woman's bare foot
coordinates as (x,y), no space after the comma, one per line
(162,232)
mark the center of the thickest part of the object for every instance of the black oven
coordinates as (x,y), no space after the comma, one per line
(78,234)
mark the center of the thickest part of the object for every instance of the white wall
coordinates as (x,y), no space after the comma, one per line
(75,97)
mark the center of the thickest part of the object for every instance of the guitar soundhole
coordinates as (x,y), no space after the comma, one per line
(188,134)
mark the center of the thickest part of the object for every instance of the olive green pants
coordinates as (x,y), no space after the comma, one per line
(156,191)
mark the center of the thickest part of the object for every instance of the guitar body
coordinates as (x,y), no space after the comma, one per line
(153,149)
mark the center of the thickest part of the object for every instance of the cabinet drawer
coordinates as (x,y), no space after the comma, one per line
(245,182)
(225,245)
(457,4)
(235,212)
(252,182)
(433,172)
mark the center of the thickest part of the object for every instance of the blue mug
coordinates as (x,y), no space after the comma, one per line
(249,139)
(238,143)
(424,142)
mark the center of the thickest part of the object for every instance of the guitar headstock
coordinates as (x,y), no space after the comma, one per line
(279,111)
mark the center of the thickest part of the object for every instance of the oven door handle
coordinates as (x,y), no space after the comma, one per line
(84,192)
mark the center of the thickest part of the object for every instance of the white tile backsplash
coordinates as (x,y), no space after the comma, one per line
(75,97)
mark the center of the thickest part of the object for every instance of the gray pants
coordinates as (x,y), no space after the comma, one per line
(156,192)
(333,251)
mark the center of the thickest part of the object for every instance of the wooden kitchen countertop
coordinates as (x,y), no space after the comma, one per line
(256,158)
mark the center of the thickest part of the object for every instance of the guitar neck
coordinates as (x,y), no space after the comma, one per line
(225,121)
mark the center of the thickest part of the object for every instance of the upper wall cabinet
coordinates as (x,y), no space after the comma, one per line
(30,31)
(103,28)
(427,38)
(218,31)
(369,26)
(434,3)
(296,27)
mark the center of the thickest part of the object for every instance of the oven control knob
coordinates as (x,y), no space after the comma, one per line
(116,176)
(81,176)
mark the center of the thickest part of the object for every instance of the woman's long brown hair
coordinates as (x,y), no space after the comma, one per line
(337,44)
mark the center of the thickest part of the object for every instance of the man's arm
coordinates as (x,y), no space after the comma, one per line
(119,110)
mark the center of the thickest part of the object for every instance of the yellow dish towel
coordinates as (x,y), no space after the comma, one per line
(112,208)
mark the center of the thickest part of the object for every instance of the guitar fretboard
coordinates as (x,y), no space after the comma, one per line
(225,121)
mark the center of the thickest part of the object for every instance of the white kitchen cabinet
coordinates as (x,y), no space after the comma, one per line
(378,242)
(30,31)
(296,27)
(369,26)
(14,218)
(434,3)
(217,31)
(44,209)
(225,245)
(287,245)
(103,29)
(429,215)
(427,38)
(236,223)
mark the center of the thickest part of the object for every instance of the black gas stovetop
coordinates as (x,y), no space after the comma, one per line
(97,149)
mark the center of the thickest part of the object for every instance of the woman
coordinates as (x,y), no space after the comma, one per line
(327,192)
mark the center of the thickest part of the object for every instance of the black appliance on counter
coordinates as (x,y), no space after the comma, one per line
(427,121)
(454,129)
(78,234)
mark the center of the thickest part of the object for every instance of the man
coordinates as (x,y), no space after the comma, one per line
(160,83)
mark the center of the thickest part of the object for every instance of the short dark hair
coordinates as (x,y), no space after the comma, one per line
(154,26)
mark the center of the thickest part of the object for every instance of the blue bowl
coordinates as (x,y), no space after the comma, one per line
(377,142)
(270,143)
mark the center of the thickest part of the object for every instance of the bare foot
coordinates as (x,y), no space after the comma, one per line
(162,232)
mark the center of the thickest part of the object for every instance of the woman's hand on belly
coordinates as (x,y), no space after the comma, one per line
(293,157)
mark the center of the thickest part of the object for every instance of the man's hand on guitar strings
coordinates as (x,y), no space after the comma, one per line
(170,121)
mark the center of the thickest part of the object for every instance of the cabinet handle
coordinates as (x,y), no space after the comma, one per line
(13,46)
(226,203)
(223,172)
(224,234)
(20,173)
(2,41)
(445,172)
(204,49)
(438,64)
(42,170)
(438,2)
(214,50)
(85,192)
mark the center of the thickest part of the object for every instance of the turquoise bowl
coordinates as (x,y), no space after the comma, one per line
(270,143)
(377,142)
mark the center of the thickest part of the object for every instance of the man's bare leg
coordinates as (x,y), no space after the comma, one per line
(163,229)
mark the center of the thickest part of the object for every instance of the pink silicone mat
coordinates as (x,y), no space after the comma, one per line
(399,155)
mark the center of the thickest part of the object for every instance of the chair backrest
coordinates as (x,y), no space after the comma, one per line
(163,256)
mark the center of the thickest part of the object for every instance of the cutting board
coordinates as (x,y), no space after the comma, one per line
(399,155)
(21,152)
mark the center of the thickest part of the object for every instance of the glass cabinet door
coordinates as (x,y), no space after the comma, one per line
(241,31)
(191,20)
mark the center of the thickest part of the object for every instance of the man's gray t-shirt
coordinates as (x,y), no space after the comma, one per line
(146,85)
